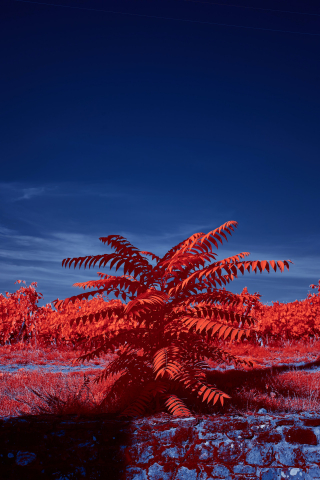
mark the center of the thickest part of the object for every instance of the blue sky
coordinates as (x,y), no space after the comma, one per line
(156,129)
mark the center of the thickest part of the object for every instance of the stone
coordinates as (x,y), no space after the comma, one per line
(161,447)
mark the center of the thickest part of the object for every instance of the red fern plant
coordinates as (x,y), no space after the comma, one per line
(161,340)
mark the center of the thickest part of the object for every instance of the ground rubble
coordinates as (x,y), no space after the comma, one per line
(266,447)
(162,447)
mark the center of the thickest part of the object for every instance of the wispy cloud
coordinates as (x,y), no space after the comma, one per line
(34,241)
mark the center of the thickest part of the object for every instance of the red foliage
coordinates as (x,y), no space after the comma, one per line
(160,323)
(162,340)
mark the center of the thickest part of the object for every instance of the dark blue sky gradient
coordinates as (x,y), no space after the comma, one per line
(156,129)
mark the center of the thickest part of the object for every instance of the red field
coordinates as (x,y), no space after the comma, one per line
(61,392)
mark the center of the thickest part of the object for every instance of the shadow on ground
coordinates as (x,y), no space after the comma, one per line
(64,447)
(234,380)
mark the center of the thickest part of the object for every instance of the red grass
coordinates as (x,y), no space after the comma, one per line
(67,393)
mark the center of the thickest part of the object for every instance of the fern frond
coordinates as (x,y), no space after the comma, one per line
(109,285)
(177,407)
(218,353)
(192,384)
(147,394)
(203,310)
(222,296)
(195,242)
(161,364)
(148,300)
(209,393)
(129,361)
(153,256)
(216,269)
